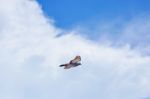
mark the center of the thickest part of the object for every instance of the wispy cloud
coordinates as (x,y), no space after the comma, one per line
(30,53)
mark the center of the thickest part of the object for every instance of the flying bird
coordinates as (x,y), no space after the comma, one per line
(73,63)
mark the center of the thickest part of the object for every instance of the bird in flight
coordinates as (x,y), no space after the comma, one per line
(73,63)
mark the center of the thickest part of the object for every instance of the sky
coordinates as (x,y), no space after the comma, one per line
(69,12)
(35,40)
(91,14)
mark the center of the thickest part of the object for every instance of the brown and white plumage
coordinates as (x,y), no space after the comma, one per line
(73,63)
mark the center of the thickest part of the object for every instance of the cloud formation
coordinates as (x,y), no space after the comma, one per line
(30,53)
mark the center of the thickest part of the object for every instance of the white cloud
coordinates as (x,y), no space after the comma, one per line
(30,54)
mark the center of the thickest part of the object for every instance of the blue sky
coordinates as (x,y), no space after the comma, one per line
(68,13)
(114,66)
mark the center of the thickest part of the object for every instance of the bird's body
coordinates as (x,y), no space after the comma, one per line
(73,63)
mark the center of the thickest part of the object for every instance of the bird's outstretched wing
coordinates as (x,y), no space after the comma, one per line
(63,65)
(66,66)
(77,59)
